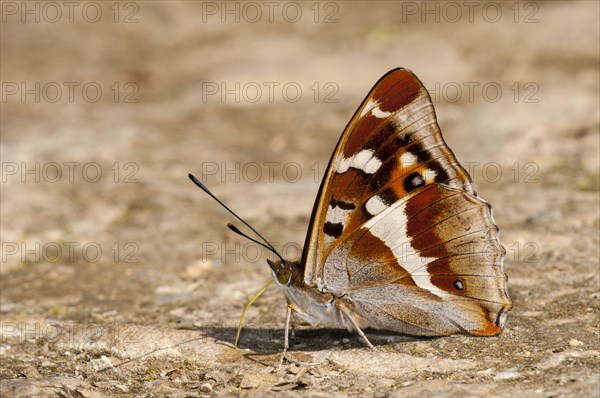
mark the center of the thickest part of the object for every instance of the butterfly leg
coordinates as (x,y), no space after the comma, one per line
(345,311)
(293,324)
(286,342)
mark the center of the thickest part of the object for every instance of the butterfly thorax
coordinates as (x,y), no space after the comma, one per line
(308,303)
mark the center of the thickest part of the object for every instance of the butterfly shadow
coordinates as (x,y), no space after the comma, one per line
(268,339)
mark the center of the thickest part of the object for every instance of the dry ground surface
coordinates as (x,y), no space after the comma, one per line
(154,313)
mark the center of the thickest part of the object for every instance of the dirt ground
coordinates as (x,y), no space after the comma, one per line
(120,278)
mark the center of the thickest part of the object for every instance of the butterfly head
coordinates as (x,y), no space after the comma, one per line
(282,271)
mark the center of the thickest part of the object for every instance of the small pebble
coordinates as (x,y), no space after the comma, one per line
(206,387)
(122,388)
(107,361)
(509,374)
(31,372)
(4,348)
(173,374)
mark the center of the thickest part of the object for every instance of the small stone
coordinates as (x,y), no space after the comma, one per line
(249,381)
(575,343)
(107,361)
(552,361)
(206,387)
(30,372)
(510,374)
(4,348)
(122,388)
(173,374)
(387,382)
(218,376)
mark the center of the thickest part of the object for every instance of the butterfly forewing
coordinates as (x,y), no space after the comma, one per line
(397,213)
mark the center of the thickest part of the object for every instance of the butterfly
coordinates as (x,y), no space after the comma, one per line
(398,239)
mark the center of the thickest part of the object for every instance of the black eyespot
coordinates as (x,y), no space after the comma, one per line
(413,181)
(458,285)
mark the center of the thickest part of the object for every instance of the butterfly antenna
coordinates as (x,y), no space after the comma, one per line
(237,231)
(267,246)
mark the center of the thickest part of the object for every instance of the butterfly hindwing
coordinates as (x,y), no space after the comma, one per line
(397,213)
(443,257)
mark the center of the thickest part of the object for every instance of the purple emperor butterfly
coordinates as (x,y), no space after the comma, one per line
(398,239)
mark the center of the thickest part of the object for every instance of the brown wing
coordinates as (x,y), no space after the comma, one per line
(429,264)
(392,210)
(392,135)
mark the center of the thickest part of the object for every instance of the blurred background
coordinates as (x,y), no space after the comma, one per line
(106,106)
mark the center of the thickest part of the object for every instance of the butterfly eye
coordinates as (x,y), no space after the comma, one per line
(458,285)
(284,275)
